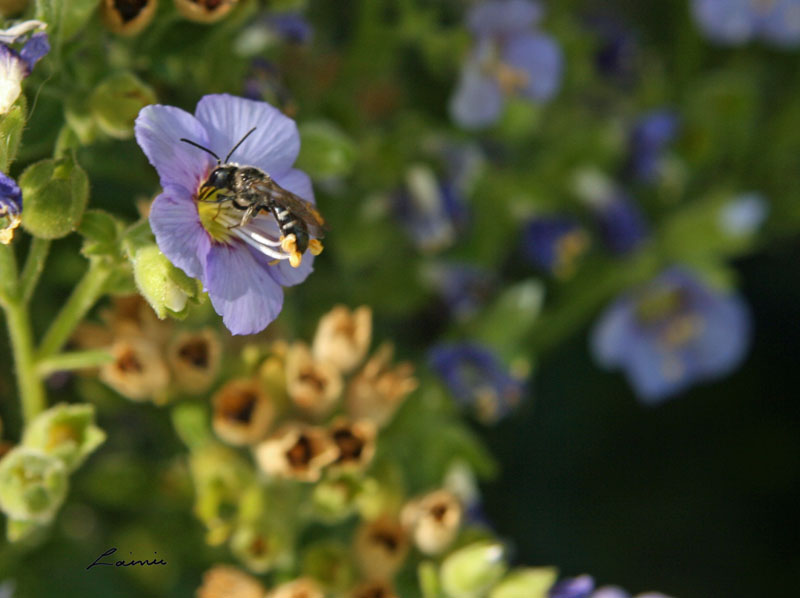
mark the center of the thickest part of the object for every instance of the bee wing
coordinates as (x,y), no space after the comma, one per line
(301,208)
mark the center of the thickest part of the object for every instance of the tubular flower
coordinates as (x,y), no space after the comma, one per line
(15,65)
(671,333)
(509,58)
(296,452)
(381,547)
(343,336)
(434,520)
(10,208)
(244,267)
(243,414)
(314,386)
(224,581)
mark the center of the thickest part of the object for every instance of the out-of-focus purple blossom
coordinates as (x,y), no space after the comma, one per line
(463,287)
(617,49)
(576,587)
(554,244)
(672,333)
(263,83)
(744,215)
(737,22)
(291,27)
(10,208)
(477,378)
(16,64)
(509,58)
(244,267)
(650,136)
(432,211)
(621,223)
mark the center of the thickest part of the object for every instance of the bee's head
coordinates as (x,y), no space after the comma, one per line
(220,180)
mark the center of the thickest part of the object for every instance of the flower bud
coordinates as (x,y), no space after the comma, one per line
(66,432)
(434,521)
(243,414)
(334,499)
(326,152)
(343,337)
(296,451)
(299,588)
(116,101)
(328,562)
(166,288)
(229,582)
(127,17)
(204,11)
(194,358)
(32,485)
(531,582)
(471,571)
(257,548)
(55,192)
(314,386)
(381,547)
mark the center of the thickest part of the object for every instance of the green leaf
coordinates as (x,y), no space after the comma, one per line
(55,193)
(325,151)
(11,125)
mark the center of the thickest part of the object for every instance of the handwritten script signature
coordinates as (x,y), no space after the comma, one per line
(97,562)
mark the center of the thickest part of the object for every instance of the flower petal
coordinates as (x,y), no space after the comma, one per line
(179,234)
(725,21)
(477,101)
(241,290)
(540,57)
(35,49)
(159,130)
(298,182)
(781,25)
(611,337)
(504,17)
(272,147)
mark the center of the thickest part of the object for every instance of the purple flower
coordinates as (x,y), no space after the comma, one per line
(243,268)
(576,587)
(10,208)
(477,378)
(671,333)
(291,26)
(463,287)
(509,58)
(617,51)
(432,211)
(554,243)
(621,223)
(648,141)
(15,65)
(736,22)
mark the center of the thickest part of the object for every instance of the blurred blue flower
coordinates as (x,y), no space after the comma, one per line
(463,287)
(10,208)
(237,264)
(477,378)
(15,64)
(617,50)
(432,211)
(736,22)
(263,83)
(509,57)
(671,333)
(291,27)
(576,587)
(554,244)
(621,223)
(649,138)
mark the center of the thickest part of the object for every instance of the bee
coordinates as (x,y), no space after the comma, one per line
(252,190)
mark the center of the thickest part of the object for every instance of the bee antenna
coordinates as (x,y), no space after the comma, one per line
(235,147)
(205,149)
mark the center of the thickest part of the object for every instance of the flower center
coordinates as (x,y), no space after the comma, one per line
(212,216)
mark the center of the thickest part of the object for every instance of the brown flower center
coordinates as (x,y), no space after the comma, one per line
(196,352)
(300,453)
(350,446)
(240,405)
(129,9)
(128,362)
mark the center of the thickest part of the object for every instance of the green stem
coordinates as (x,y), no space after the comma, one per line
(31,389)
(34,264)
(8,273)
(77,360)
(85,295)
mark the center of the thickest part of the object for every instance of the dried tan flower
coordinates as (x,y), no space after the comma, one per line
(138,371)
(374,589)
(224,581)
(204,11)
(127,17)
(296,451)
(381,547)
(303,587)
(434,520)
(343,337)
(194,358)
(314,386)
(377,390)
(243,413)
(355,442)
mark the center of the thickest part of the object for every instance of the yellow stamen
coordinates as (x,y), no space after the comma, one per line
(510,79)
(295,258)
(315,247)
(289,244)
